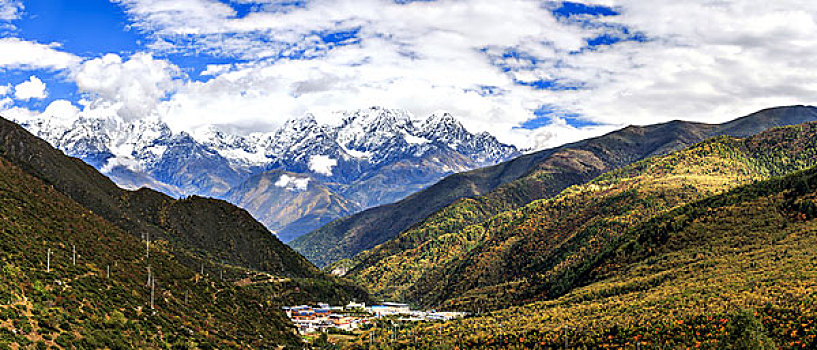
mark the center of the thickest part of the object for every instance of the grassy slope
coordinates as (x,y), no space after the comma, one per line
(517,182)
(735,270)
(531,253)
(76,305)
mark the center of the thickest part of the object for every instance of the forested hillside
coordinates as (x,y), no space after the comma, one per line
(538,252)
(199,231)
(103,300)
(216,277)
(735,270)
(486,192)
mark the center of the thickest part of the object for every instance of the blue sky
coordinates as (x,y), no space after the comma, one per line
(534,73)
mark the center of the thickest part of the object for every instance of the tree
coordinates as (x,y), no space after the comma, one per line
(747,332)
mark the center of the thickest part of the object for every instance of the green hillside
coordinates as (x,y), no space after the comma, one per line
(538,251)
(735,270)
(199,232)
(78,306)
(510,185)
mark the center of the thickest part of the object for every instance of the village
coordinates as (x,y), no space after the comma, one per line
(324,318)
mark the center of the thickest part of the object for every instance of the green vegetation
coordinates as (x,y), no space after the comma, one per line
(201,233)
(220,276)
(78,306)
(735,270)
(515,183)
(544,249)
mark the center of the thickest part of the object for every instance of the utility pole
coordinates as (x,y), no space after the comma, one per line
(48,261)
(566,340)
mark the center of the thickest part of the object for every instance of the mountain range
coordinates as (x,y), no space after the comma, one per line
(468,198)
(709,246)
(671,235)
(547,247)
(198,251)
(320,172)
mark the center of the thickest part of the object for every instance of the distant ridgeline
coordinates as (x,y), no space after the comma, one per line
(711,246)
(469,198)
(148,271)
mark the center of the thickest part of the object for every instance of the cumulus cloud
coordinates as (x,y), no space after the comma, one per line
(61,110)
(136,85)
(16,53)
(10,10)
(490,63)
(292,183)
(322,164)
(33,88)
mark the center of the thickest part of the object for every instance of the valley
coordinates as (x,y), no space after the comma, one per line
(683,237)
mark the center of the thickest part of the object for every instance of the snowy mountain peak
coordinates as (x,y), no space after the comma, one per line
(364,141)
(305,122)
(378,120)
(444,127)
(215,138)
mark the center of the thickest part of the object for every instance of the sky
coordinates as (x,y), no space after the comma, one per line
(535,74)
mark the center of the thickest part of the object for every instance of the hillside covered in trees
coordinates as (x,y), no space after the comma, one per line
(543,249)
(103,301)
(653,256)
(188,273)
(482,193)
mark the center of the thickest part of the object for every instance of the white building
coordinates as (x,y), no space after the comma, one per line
(353,305)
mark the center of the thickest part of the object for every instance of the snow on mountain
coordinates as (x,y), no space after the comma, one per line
(372,156)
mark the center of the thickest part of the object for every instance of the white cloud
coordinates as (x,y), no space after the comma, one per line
(115,162)
(10,10)
(61,110)
(33,88)
(136,85)
(322,164)
(20,54)
(292,183)
(703,60)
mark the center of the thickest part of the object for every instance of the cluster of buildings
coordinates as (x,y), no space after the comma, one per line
(310,319)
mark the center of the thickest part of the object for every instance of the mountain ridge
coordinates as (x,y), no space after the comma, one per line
(366,159)
(538,250)
(72,279)
(200,230)
(524,179)
(731,271)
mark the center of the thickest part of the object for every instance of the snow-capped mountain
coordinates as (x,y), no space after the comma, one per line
(372,157)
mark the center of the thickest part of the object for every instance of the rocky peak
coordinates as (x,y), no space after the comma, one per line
(444,128)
